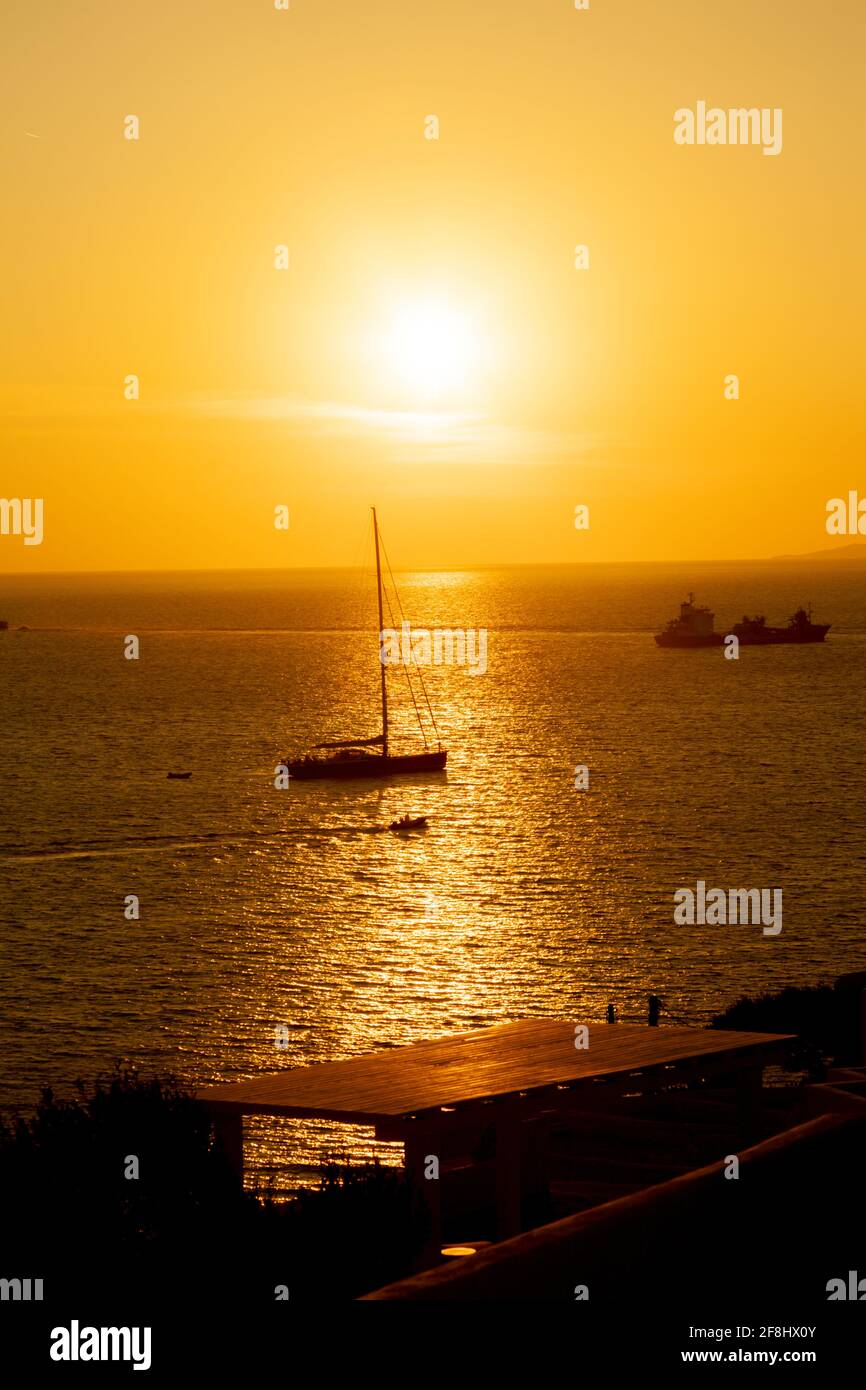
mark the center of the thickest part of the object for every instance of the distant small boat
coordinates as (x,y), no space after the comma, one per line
(409,823)
(179,776)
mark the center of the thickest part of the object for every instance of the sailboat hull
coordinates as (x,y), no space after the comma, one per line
(305,770)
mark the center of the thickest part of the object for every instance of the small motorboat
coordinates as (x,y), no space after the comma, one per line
(179,776)
(409,823)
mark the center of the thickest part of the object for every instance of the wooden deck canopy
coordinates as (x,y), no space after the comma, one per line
(504,1075)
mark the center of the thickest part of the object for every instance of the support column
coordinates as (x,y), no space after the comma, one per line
(508,1187)
(748,1102)
(418,1146)
(229,1129)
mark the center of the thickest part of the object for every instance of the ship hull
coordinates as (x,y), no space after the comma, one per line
(345,769)
(782,636)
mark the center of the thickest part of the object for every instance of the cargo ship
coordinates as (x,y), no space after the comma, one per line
(754,632)
(693,628)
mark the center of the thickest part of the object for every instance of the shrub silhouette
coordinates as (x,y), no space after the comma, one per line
(824,1018)
(183,1230)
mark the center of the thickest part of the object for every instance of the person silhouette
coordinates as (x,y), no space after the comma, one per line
(655,1005)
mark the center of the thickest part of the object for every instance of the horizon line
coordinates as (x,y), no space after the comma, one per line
(813,555)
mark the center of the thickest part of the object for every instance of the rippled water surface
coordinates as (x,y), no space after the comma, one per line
(525,896)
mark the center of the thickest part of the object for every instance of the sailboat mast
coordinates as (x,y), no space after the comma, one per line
(381,649)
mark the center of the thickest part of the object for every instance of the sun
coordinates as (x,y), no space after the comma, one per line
(431,347)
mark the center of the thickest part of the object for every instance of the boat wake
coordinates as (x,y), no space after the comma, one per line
(160,844)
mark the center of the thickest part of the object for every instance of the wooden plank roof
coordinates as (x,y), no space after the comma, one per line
(490,1063)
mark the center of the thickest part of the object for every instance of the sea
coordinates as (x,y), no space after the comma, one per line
(280,926)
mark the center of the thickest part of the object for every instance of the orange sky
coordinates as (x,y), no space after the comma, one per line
(431,347)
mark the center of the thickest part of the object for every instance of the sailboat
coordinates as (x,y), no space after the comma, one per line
(345,758)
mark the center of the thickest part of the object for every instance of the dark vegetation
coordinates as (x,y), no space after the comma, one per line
(825,1019)
(182,1231)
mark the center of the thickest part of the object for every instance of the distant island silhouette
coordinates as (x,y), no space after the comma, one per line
(853,550)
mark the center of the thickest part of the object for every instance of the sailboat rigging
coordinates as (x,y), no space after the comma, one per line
(347,756)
